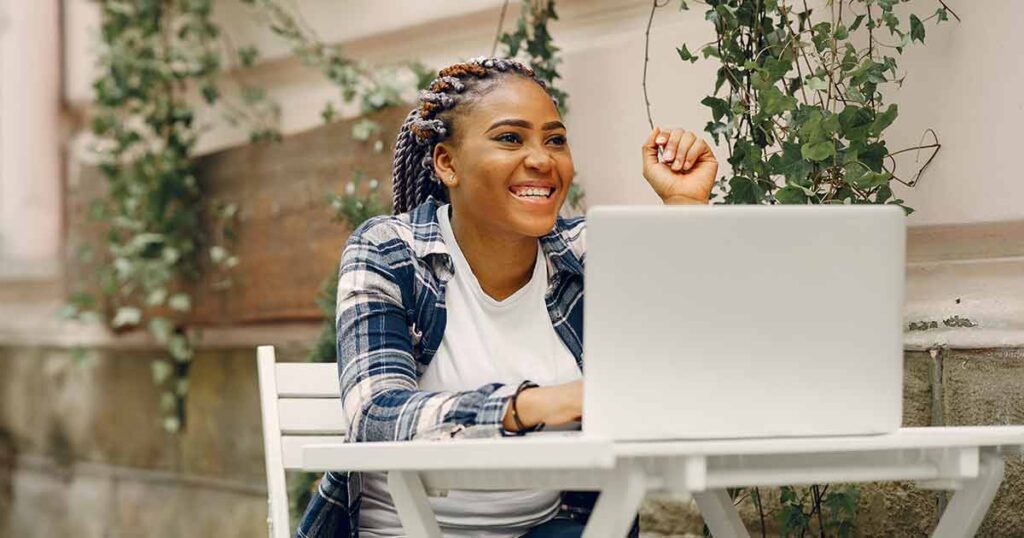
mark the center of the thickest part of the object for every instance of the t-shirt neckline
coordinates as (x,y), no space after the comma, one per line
(461,263)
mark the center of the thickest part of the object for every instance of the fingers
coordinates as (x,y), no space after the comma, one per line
(671,146)
(685,143)
(698,148)
(680,149)
(650,147)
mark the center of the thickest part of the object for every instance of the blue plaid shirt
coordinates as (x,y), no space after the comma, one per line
(391,319)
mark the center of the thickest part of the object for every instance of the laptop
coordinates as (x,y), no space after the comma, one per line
(708,322)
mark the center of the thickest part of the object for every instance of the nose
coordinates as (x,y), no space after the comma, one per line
(539,159)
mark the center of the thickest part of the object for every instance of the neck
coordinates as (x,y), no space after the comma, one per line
(502,262)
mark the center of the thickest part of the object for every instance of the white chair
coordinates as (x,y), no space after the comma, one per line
(300,406)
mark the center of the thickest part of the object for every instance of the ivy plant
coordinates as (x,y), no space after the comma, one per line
(152,55)
(798,101)
(798,97)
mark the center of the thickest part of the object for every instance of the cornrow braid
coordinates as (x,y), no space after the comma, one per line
(431,123)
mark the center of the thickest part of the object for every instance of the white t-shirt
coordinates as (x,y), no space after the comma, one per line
(485,341)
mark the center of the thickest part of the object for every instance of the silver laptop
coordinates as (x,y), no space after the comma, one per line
(743,321)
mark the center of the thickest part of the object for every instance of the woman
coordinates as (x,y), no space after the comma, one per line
(461,315)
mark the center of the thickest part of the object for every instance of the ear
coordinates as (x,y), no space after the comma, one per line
(444,165)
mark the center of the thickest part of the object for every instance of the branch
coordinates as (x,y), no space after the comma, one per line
(501,22)
(647,47)
(935,147)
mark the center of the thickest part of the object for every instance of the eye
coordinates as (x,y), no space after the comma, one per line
(558,140)
(511,138)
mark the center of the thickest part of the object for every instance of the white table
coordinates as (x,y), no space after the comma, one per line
(968,460)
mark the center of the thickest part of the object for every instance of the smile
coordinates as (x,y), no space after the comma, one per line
(532,193)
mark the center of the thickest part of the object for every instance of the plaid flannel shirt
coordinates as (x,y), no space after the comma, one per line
(391,319)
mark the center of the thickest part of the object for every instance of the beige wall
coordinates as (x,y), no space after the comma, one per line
(30,158)
(962,83)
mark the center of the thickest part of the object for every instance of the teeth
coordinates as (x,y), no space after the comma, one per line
(533,191)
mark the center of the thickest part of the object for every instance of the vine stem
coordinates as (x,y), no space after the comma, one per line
(647,47)
(501,22)
(936,146)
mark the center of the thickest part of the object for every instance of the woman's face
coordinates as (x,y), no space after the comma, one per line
(511,139)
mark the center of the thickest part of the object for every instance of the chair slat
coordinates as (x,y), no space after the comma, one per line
(292,445)
(307,380)
(319,416)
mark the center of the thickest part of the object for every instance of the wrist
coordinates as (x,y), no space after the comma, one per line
(529,405)
(682,200)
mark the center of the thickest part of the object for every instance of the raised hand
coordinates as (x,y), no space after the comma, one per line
(686,170)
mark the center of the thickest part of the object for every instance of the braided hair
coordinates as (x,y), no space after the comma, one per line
(432,122)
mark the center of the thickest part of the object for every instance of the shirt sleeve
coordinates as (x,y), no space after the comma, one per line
(378,376)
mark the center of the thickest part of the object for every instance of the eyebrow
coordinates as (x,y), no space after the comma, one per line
(526,125)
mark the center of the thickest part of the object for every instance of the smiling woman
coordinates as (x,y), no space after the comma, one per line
(462,313)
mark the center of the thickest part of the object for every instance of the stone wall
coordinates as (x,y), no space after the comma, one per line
(85,454)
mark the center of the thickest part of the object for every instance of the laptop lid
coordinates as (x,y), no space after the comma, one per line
(743,321)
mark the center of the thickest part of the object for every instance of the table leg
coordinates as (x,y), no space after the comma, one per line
(964,514)
(411,502)
(617,505)
(720,514)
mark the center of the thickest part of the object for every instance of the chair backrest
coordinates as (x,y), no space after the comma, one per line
(301,406)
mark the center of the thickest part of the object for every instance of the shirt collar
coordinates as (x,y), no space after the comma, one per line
(427,239)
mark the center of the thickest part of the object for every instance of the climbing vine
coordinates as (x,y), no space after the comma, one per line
(153,54)
(798,102)
(798,98)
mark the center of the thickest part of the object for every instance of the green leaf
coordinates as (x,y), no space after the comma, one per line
(180,302)
(818,151)
(816,84)
(126,315)
(855,122)
(161,329)
(181,387)
(791,194)
(172,424)
(248,55)
(916,28)
(167,401)
(883,120)
(841,32)
(161,371)
(856,23)
(883,194)
(773,102)
(218,254)
(743,190)
(329,112)
(872,179)
(156,297)
(719,107)
(210,93)
(685,54)
(179,348)
(364,129)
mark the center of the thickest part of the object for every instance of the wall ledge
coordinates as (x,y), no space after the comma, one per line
(47,466)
